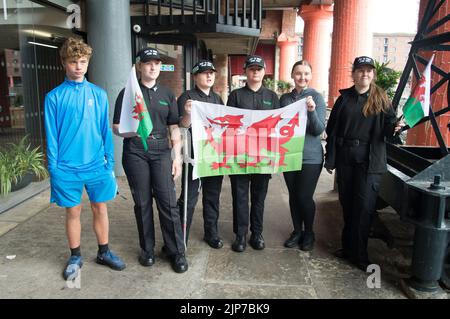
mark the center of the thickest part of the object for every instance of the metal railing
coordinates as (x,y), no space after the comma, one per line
(238,13)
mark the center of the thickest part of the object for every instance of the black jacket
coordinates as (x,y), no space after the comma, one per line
(384,127)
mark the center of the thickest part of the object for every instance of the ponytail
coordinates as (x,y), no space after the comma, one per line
(377,102)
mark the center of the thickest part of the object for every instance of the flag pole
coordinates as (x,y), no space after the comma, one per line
(186,156)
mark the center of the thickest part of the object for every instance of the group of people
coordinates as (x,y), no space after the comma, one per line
(80,155)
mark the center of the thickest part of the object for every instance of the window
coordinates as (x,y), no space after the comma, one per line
(300,49)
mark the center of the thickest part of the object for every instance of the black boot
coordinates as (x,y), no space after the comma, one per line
(239,243)
(294,240)
(257,242)
(308,241)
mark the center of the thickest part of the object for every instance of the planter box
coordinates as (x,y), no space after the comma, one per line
(23,182)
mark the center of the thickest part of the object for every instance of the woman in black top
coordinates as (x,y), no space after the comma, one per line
(204,76)
(359,123)
(151,173)
(253,96)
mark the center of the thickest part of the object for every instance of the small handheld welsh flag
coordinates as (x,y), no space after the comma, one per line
(418,104)
(134,117)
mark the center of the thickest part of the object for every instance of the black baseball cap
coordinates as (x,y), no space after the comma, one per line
(147,54)
(202,66)
(254,60)
(363,60)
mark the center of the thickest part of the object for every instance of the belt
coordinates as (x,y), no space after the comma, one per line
(153,136)
(157,136)
(350,142)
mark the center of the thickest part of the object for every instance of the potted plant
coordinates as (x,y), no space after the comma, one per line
(19,163)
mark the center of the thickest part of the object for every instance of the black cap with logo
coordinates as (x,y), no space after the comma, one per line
(147,54)
(363,60)
(254,60)
(202,66)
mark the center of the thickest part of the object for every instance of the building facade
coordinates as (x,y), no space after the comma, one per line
(392,48)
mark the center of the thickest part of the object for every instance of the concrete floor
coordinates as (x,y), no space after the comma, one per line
(34,233)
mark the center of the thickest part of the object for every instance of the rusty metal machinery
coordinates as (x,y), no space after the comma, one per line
(417,184)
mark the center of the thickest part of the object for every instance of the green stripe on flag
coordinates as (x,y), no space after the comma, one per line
(145,128)
(293,160)
(413,111)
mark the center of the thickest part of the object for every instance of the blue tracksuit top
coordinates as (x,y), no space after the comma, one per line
(79,137)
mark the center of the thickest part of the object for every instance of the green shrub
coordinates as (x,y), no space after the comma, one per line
(16,160)
(387,78)
(284,86)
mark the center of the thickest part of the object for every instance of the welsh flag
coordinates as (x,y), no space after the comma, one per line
(229,140)
(418,104)
(134,118)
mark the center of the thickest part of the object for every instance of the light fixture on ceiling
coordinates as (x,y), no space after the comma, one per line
(5,10)
(38,33)
(43,44)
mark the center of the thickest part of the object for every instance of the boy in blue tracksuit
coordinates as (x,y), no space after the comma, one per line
(80,153)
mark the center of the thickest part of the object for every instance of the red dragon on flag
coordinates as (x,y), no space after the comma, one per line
(251,140)
(139,108)
(230,140)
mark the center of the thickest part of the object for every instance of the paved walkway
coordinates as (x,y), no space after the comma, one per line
(34,233)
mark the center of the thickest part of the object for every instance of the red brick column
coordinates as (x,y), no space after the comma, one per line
(352,36)
(316,42)
(423,134)
(288,55)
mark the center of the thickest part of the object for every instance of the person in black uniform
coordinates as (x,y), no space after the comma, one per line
(254,96)
(151,173)
(204,76)
(360,121)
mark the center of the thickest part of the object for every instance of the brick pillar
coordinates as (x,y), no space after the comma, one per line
(288,22)
(423,134)
(316,42)
(288,55)
(221,84)
(352,37)
(287,46)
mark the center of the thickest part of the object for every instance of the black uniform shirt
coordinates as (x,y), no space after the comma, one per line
(245,98)
(197,95)
(161,104)
(352,122)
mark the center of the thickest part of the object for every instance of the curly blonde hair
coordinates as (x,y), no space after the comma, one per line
(75,48)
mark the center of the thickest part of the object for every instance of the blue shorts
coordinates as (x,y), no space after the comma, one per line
(67,188)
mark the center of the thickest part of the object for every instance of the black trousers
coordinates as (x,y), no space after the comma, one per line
(301,186)
(240,184)
(358,191)
(149,175)
(211,188)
